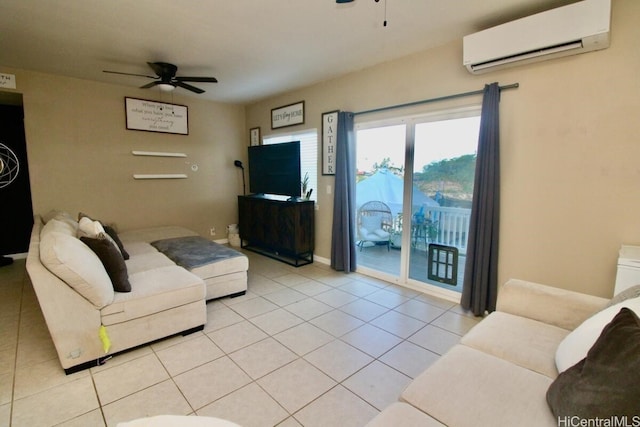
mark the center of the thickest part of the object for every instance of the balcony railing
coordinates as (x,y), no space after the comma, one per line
(452,226)
(444,226)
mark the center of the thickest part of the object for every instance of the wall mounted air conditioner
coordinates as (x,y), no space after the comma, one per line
(568,30)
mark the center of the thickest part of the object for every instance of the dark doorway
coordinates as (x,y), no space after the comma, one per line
(16,211)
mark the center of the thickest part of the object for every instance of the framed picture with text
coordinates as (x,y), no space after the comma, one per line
(152,116)
(254,136)
(288,115)
(329,135)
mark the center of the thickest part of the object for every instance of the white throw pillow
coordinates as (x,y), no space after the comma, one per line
(77,265)
(371,222)
(90,228)
(575,346)
(59,226)
(95,230)
(61,216)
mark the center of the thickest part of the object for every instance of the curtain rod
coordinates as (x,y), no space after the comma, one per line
(442,98)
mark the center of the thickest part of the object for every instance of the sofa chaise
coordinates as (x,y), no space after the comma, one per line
(500,372)
(92,312)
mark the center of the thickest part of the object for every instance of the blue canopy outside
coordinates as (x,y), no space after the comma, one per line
(387,187)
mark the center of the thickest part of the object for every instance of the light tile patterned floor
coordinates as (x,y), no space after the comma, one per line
(306,346)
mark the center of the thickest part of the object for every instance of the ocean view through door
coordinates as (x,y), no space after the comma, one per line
(420,174)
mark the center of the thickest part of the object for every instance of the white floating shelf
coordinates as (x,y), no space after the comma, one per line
(157,154)
(160,176)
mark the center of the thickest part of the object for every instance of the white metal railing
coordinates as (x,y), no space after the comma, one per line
(452,226)
(444,226)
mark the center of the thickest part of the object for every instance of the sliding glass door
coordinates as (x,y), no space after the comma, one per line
(422,240)
(379,196)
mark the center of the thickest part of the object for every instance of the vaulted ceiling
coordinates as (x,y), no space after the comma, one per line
(255,48)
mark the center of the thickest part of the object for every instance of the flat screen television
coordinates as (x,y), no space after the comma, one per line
(275,169)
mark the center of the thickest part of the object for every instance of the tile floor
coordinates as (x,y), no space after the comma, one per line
(306,346)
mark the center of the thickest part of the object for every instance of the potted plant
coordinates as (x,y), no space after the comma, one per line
(305,184)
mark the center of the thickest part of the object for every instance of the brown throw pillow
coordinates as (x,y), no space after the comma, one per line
(112,261)
(605,383)
(112,233)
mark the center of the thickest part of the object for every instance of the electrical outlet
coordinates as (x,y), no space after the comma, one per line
(212,231)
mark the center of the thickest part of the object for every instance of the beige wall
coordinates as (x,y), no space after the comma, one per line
(80,155)
(570,149)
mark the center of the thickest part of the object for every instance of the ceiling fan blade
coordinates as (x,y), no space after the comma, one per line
(197,79)
(148,85)
(188,87)
(163,69)
(129,74)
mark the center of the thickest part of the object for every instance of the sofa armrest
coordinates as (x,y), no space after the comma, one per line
(560,307)
(73,321)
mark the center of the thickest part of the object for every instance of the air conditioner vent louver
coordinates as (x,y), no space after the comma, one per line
(569,30)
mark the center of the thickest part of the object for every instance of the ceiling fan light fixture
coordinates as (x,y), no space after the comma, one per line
(165,87)
(166,79)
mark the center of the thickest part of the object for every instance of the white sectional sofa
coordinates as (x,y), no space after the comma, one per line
(500,372)
(89,320)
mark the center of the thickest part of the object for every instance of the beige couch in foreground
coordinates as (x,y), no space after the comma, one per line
(499,373)
(89,320)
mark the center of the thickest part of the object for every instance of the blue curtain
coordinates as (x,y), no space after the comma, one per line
(343,247)
(480,287)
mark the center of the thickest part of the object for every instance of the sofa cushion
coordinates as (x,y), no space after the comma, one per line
(153,291)
(467,387)
(525,342)
(138,248)
(112,261)
(147,261)
(403,414)
(575,346)
(560,307)
(605,383)
(74,263)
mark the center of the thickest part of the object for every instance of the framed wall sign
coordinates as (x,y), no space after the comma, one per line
(254,136)
(288,115)
(155,116)
(329,135)
(7,81)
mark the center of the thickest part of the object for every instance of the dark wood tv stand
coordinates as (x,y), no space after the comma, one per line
(283,230)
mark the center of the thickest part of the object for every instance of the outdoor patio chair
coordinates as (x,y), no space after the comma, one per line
(374,224)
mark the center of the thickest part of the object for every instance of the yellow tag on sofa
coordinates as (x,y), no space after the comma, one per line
(104,337)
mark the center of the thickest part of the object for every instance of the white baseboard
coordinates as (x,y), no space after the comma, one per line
(321,260)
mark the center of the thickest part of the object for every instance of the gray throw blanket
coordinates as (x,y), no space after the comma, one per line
(194,251)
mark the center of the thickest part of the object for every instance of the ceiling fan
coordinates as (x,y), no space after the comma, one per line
(166,78)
